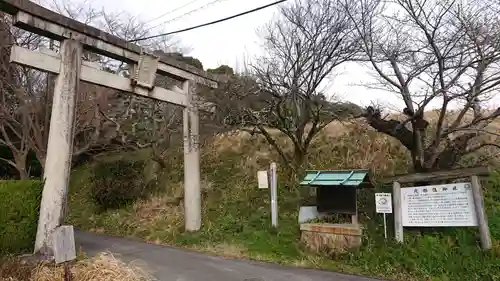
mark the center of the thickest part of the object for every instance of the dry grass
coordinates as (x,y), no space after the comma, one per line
(344,145)
(339,146)
(358,146)
(104,267)
(159,209)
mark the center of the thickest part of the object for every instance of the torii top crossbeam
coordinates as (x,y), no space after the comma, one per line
(37,19)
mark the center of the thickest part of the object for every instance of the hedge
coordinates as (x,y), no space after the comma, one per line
(115,185)
(19,209)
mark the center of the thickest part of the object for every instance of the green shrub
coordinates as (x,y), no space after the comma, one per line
(116,184)
(19,207)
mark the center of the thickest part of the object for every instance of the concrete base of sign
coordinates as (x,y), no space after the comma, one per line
(332,238)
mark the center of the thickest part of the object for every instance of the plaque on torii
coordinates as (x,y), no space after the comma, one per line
(145,71)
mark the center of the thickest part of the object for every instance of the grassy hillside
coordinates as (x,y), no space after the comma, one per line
(236,218)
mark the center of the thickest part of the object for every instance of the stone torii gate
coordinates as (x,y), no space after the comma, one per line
(70,69)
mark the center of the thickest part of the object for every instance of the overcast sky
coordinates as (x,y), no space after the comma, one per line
(231,41)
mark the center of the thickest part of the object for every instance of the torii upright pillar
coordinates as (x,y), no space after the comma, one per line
(60,145)
(192,190)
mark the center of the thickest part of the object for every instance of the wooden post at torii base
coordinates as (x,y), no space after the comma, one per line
(69,67)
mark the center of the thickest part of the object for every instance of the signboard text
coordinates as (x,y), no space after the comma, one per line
(438,206)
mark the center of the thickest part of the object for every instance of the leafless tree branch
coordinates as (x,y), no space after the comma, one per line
(430,51)
(283,90)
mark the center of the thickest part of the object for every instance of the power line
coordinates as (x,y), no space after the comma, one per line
(209,23)
(170,12)
(187,13)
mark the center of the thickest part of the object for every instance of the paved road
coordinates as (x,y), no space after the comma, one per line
(173,264)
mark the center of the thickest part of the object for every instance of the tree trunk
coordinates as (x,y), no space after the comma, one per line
(417,165)
(20,165)
(40,156)
(23,174)
(298,159)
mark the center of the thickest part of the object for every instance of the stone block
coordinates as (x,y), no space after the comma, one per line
(332,238)
(63,243)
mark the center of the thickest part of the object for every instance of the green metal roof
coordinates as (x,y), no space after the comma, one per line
(352,178)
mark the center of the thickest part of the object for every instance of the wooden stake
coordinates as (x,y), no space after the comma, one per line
(398,212)
(274,194)
(482,221)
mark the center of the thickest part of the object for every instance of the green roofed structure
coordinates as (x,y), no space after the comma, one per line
(351,178)
(336,193)
(336,190)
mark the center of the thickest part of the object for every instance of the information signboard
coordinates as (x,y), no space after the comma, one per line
(383,203)
(446,205)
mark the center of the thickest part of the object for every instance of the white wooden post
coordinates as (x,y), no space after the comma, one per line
(398,212)
(59,148)
(192,190)
(482,220)
(274,194)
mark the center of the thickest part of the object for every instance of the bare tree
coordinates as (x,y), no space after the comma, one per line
(285,89)
(140,122)
(428,52)
(19,88)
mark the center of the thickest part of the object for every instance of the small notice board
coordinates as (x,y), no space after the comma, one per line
(383,203)
(448,205)
(262,179)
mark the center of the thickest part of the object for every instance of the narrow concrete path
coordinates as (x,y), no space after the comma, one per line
(174,264)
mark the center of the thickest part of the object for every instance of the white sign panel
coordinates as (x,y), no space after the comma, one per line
(262,179)
(438,205)
(383,203)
